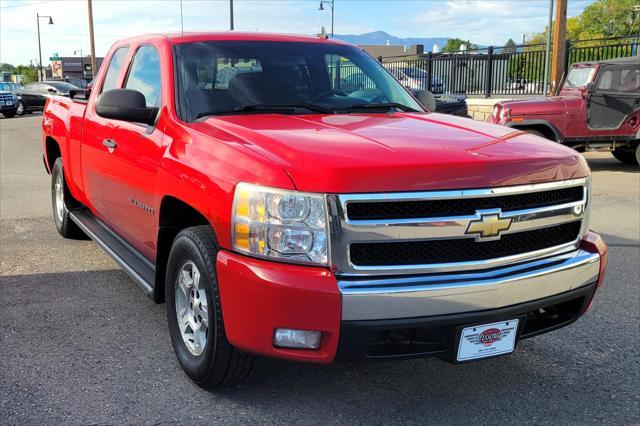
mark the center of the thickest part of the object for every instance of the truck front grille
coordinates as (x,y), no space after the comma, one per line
(462,249)
(427,232)
(461,206)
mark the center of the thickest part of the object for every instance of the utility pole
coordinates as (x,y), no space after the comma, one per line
(559,45)
(93,46)
(231,15)
(548,50)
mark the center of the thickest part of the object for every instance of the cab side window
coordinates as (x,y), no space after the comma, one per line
(117,60)
(144,75)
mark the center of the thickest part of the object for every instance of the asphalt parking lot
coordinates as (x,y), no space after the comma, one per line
(79,342)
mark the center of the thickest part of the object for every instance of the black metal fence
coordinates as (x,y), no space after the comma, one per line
(515,70)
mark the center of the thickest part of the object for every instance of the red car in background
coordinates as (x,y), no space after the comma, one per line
(597,108)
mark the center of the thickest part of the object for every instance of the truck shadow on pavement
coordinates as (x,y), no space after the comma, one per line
(611,165)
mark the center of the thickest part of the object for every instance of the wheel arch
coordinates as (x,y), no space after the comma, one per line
(550,131)
(52,152)
(174,216)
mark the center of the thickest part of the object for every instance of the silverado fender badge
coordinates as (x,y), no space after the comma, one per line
(489,226)
(141,205)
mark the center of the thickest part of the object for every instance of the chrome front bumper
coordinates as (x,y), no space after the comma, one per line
(451,293)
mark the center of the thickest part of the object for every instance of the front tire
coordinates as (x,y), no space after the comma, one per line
(627,156)
(20,108)
(194,313)
(537,133)
(60,200)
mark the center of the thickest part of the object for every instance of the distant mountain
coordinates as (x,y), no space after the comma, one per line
(381,38)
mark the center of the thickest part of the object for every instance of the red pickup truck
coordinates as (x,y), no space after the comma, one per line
(597,108)
(279,214)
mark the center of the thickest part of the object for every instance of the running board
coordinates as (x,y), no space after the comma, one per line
(133,262)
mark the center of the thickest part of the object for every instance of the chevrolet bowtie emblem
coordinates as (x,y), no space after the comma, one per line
(488,227)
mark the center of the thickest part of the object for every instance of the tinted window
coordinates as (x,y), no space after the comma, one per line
(117,60)
(144,75)
(223,76)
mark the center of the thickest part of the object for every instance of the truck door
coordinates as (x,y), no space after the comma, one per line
(95,130)
(616,95)
(130,166)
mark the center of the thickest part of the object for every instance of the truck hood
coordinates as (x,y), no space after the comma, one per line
(398,152)
(538,106)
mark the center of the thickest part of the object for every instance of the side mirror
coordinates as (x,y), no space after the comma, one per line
(427,99)
(126,105)
(52,90)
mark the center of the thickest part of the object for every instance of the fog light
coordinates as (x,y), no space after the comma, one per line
(296,339)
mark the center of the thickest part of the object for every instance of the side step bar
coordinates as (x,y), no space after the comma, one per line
(133,262)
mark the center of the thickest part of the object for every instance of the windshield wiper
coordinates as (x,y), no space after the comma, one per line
(267,108)
(383,106)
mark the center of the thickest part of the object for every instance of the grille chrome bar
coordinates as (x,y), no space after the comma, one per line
(344,231)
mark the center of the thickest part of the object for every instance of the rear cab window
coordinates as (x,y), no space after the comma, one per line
(144,75)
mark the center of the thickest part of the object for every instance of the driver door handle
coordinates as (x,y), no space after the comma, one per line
(110,144)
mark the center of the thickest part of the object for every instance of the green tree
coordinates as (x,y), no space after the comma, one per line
(509,47)
(453,45)
(7,67)
(29,73)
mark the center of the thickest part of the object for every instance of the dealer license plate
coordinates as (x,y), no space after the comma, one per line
(482,341)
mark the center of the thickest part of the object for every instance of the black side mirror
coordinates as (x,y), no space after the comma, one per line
(126,105)
(427,99)
(52,90)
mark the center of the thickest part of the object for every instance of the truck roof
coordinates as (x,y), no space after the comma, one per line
(187,37)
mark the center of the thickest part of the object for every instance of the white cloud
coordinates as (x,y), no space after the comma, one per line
(484,22)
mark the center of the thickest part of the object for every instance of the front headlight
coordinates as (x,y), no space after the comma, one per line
(280,224)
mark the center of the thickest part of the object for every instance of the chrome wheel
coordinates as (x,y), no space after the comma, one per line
(59,197)
(20,108)
(191,308)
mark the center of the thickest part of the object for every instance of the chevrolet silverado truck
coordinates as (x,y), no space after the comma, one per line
(278,214)
(597,108)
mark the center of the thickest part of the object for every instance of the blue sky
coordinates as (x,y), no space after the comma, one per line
(484,22)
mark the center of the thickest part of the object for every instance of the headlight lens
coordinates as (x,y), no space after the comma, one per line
(274,223)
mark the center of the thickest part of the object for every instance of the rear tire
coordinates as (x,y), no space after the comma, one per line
(194,313)
(627,156)
(60,201)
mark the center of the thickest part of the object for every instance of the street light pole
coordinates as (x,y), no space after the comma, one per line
(231,15)
(93,45)
(38,16)
(331,3)
(75,52)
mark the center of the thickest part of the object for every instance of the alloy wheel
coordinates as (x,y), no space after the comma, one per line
(191,308)
(59,197)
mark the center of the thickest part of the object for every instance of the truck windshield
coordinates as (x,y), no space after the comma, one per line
(578,77)
(247,77)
